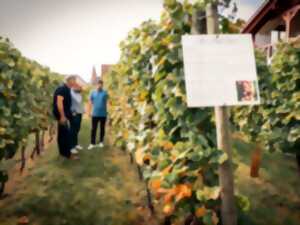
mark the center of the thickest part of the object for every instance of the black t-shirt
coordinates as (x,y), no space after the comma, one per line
(65,92)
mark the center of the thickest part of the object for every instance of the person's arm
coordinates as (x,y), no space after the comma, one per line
(108,103)
(90,105)
(60,107)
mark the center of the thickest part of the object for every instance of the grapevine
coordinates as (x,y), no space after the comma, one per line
(25,90)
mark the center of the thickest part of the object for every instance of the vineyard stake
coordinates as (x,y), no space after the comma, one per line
(228,206)
(23,159)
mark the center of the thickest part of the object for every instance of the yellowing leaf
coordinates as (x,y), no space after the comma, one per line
(173,158)
(2,130)
(223,158)
(200,212)
(143,96)
(166,170)
(168,209)
(209,193)
(139,157)
(169,196)
(146,157)
(162,61)
(125,134)
(155,184)
(183,191)
(167,145)
(215,218)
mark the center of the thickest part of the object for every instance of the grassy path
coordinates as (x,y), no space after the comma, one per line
(102,188)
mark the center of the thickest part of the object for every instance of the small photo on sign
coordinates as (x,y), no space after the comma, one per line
(247,91)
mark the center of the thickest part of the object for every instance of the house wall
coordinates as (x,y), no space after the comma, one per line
(264,37)
(295,25)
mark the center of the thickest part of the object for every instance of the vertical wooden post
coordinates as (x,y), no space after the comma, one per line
(23,159)
(288,17)
(42,144)
(288,27)
(228,207)
(199,22)
(212,18)
(256,161)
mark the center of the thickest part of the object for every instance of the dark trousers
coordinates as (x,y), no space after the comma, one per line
(95,122)
(64,140)
(75,128)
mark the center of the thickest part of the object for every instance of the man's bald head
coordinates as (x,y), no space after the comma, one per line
(70,80)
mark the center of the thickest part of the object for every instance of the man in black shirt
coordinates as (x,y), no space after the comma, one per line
(62,112)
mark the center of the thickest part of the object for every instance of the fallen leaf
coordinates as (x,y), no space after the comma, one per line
(23,220)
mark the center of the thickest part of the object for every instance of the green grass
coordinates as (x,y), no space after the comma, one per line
(103,188)
(275,195)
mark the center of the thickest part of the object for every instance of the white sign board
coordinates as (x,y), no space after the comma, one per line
(220,70)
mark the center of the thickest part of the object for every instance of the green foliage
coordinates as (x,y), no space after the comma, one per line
(276,122)
(25,98)
(175,145)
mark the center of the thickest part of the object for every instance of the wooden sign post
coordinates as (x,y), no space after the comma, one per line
(220,71)
(214,79)
(228,206)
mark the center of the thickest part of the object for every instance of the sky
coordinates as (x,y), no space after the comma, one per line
(72,36)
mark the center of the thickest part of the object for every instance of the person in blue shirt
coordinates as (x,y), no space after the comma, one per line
(98,112)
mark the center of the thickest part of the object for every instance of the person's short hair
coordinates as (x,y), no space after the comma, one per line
(69,78)
(100,81)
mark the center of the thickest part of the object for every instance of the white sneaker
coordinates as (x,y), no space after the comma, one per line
(79,147)
(91,146)
(101,145)
(74,151)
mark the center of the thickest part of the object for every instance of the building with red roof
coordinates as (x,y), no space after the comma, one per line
(275,20)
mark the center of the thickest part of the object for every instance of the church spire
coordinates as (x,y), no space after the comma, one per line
(94,77)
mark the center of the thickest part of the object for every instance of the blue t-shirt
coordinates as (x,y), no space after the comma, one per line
(99,101)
